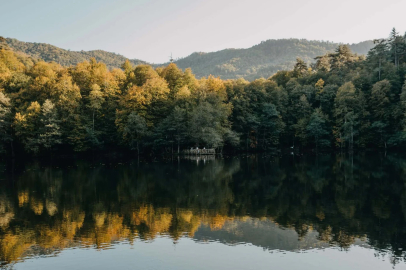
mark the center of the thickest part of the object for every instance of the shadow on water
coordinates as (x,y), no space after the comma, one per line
(288,203)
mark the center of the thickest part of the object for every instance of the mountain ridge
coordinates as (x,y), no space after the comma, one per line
(260,60)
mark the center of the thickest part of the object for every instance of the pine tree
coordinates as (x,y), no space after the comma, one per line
(346,113)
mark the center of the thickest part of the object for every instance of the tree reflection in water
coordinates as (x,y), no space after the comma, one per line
(318,201)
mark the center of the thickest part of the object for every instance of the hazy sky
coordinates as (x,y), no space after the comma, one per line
(153,29)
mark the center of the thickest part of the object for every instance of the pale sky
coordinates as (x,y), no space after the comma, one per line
(151,30)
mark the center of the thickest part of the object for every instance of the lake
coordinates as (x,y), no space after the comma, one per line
(244,212)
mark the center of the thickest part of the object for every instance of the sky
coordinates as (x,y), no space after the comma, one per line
(152,30)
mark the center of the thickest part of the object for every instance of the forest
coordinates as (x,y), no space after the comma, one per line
(341,101)
(261,60)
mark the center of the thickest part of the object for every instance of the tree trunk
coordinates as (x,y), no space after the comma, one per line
(396,55)
(352,138)
(247,142)
(138,150)
(12,149)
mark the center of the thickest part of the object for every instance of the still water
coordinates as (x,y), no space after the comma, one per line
(243,212)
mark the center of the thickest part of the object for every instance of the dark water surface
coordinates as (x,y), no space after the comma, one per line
(245,212)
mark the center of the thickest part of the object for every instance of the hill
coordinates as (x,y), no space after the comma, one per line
(261,60)
(64,57)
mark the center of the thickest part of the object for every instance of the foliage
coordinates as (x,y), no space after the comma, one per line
(342,100)
(261,60)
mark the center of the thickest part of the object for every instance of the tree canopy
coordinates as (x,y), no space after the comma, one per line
(342,100)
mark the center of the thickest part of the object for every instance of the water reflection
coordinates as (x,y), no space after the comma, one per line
(287,203)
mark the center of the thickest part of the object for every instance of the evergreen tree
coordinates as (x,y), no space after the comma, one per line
(300,69)
(346,114)
(317,129)
(377,56)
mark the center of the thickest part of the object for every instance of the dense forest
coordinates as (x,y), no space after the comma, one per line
(261,60)
(343,100)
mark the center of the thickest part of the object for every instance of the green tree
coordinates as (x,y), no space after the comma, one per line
(377,56)
(135,130)
(317,129)
(96,100)
(50,134)
(381,109)
(300,69)
(271,126)
(172,129)
(208,124)
(346,114)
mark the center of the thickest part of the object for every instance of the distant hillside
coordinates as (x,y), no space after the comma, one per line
(64,57)
(261,60)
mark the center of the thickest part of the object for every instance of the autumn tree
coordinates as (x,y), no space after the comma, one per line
(6,137)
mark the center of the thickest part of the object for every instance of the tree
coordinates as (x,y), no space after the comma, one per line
(96,101)
(346,113)
(172,129)
(319,86)
(378,55)
(395,42)
(271,125)
(317,129)
(174,77)
(323,63)
(50,134)
(143,73)
(403,105)
(26,125)
(135,130)
(326,99)
(5,123)
(300,69)
(381,109)
(208,124)
(343,58)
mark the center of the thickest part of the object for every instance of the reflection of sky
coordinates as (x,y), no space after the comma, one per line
(263,233)
(188,254)
(249,244)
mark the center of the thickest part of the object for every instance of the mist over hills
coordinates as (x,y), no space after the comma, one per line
(261,60)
